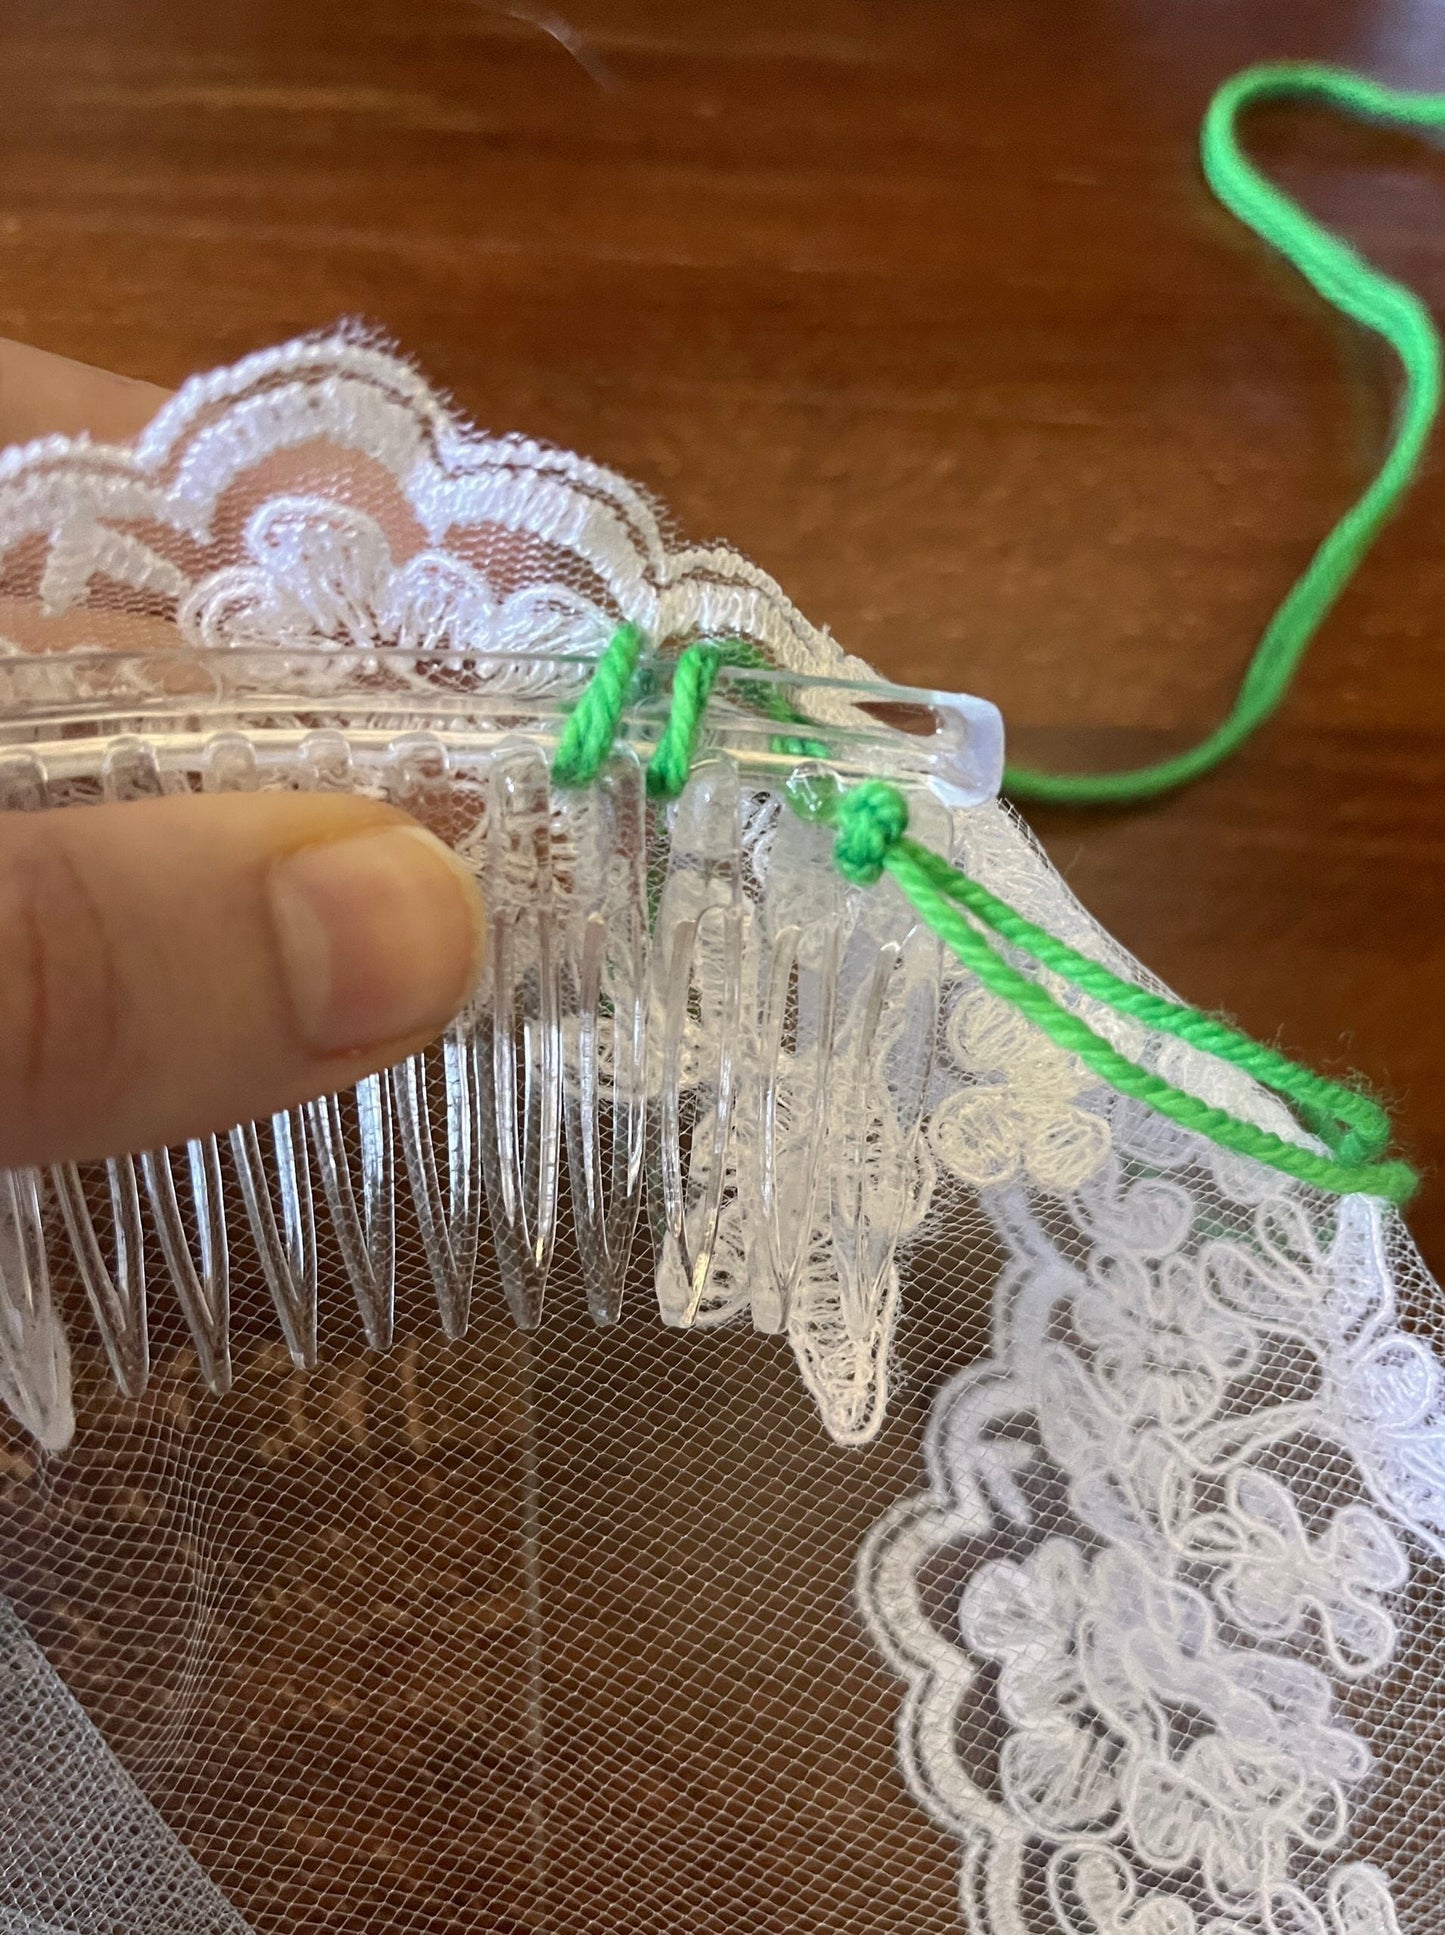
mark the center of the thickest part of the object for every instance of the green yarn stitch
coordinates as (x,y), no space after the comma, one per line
(693,679)
(871,819)
(591,728)
(1361,291)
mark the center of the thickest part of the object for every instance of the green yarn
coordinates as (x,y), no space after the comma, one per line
(916,872)
(871,819)
(1361,291)
(591,728)
(693,679)
(1353,1124)
(873,839)
(871,824)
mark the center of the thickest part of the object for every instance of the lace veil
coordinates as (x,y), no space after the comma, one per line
(966,1499)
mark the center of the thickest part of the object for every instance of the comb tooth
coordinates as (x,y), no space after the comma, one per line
(448,1214)
(228,764)
(519,1039)
(24,786)
(769,1169)
(697,963)
(883,1058)
(366,1232)
(795,1077)
(116,1291)
(857,1237)
(130,770)
(441,1081)
(802,918)
(202,1285)
(287,1248)
(34,1358)
(323,763)
(604,1003)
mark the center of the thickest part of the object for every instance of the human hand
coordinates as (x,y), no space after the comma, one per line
(173,966)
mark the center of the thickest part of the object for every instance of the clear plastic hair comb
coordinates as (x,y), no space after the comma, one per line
(374,1561)
(685,1019)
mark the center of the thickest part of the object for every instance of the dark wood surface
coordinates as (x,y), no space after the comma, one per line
(922,303)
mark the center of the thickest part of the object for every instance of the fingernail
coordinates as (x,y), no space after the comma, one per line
(378,937)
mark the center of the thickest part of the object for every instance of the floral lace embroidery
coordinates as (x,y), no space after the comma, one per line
(1137,1724)
(322,573)
(1020,1115)
(319,494)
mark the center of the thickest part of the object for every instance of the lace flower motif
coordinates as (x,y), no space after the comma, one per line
(1280,1574)
(322,573)
(1384,1389)
(1161,1348)
(1104,1885)
(1020,1115)
(1096,1661)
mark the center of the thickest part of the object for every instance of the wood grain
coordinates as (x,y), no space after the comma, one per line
(921,304)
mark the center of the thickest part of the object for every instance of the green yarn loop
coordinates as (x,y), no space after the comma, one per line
(1360,291)
(591,729)
(934,888)
(871,819)
(693,679)
(1354,1129)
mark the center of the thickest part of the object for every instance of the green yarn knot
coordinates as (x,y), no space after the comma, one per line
(871,820)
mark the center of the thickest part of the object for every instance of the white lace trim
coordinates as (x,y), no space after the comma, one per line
(365,403)
(1170,1750)
(1135,1703)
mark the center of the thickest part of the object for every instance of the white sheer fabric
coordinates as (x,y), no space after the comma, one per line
(1163,1597)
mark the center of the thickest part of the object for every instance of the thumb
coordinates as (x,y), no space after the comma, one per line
(173,966)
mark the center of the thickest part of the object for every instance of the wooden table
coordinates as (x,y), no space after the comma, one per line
(922,304)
